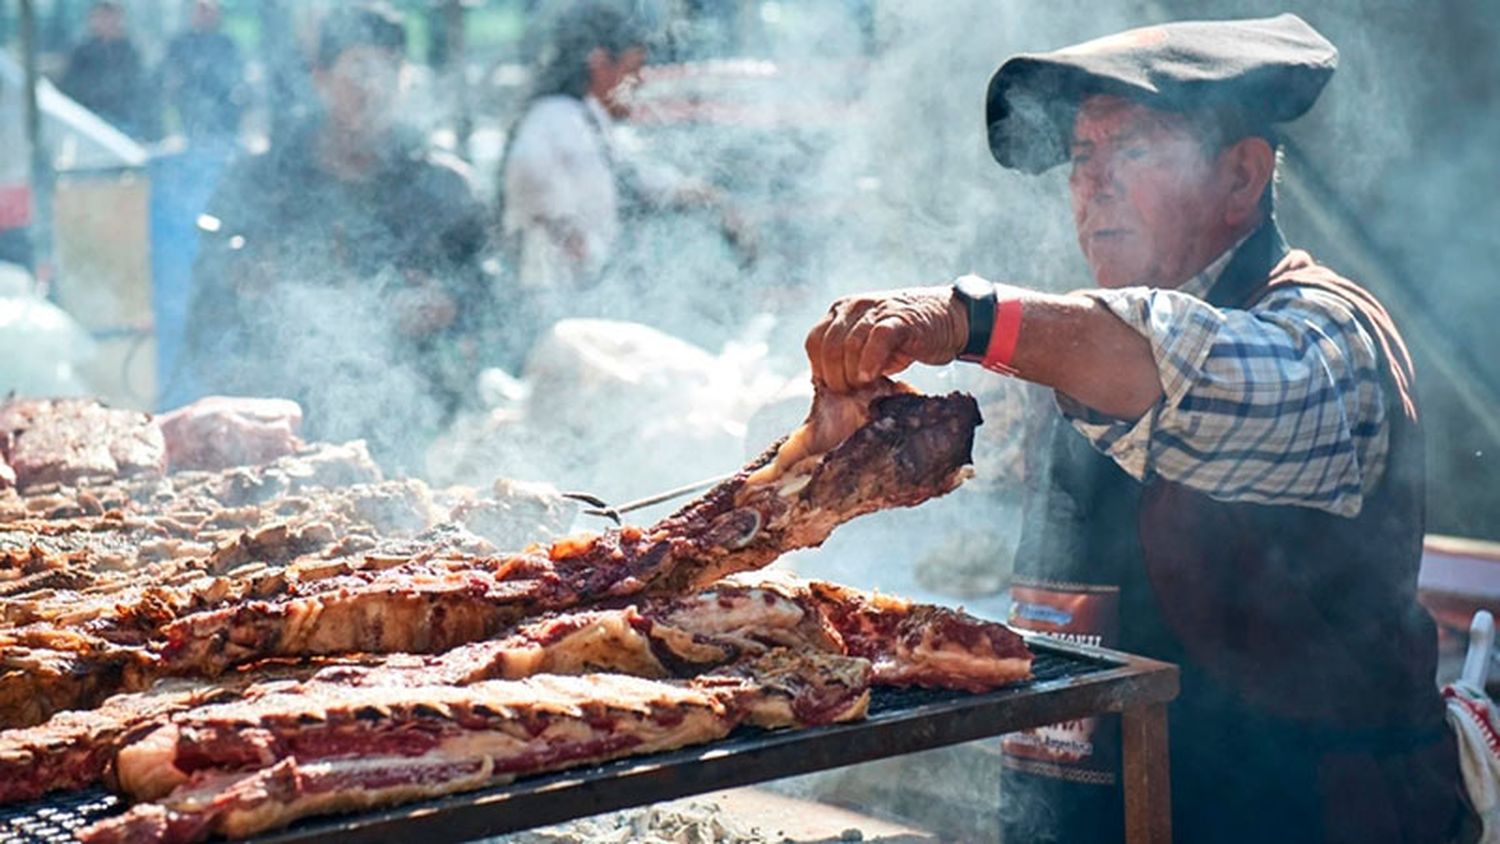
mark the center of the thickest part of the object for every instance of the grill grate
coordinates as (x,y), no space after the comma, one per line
(54,818)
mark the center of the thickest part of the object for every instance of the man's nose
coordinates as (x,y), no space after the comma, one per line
(1097,178)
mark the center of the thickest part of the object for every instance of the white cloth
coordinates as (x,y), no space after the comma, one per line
(562,179)
(559,181)
(1473,717)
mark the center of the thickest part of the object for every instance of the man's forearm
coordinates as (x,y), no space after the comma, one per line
(1073,344)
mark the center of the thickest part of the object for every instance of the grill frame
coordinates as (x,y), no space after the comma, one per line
(1071,681)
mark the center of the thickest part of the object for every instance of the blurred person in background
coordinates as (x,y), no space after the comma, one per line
(104,73)
(203,77)
(341,268)
(571,179)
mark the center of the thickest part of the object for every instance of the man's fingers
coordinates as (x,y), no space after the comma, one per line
(897,362)
(832,366)
(879,349)
(832,352)
(813,345)
(854,347)
(857,341)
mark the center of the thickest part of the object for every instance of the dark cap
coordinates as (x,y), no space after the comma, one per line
(1268,70)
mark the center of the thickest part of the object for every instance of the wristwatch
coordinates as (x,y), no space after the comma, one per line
(978,298)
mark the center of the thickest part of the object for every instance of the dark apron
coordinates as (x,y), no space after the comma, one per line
(1307,711)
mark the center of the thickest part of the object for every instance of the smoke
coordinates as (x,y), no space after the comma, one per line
(860,169)
(1403,137)
(871,172)
(856,149)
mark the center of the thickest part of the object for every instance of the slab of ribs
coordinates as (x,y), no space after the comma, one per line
(256,632)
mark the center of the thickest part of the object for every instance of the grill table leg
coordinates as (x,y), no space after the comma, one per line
(1148,794)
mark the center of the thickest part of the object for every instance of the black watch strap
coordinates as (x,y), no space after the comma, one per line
(978,298)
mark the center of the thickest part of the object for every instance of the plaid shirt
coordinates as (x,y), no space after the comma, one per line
(1279,404)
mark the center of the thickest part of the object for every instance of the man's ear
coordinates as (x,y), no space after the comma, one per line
(1248,165)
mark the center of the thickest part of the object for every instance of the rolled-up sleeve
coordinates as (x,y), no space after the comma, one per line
(1279,404)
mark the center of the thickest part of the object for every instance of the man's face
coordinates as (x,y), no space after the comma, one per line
(1148,200)
(361,88)
(613,75)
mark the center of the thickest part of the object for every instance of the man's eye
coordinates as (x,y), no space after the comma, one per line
(1133,153)
(1080,159)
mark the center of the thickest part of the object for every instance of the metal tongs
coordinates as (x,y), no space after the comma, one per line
(600,507)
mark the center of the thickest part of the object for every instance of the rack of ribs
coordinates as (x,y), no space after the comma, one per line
(348,672)
(243,767)
(743,618)
(74,748)
(908,448)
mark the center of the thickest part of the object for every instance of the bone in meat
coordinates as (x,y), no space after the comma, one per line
(910,449)
(240,768)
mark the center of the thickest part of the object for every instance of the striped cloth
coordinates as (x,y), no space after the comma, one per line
(1279,404)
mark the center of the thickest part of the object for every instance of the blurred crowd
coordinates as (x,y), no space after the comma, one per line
(200,78)
(352,264)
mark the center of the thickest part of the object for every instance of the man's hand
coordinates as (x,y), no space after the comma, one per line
(869,335)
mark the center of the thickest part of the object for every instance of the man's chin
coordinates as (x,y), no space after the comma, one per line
(1112,278)
(1115,264)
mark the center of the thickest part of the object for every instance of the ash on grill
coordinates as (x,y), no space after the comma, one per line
(682,822)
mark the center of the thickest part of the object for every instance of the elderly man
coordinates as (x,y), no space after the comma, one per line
(1242,493)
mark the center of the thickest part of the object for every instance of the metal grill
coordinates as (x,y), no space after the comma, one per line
(54,819)
(1069,682)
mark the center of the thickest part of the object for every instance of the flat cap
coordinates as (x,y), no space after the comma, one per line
(1270,70)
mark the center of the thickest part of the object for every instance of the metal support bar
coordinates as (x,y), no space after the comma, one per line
(40,227)
(458,73)
(1148,789)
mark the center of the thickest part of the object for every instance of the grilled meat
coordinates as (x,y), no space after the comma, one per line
(72,749)
(670,638)
(46,669)
(907,644)
(911,448)
(784,688)
(218,432)
(368,652)
(658,639)
(911,644)
(714,630)
(47,441)
(905,449)
(239,768)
